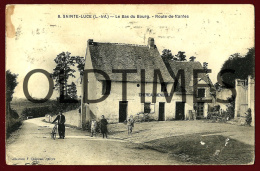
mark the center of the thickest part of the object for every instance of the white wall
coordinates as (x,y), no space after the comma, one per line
(110,106)
(251,98)
(241,99)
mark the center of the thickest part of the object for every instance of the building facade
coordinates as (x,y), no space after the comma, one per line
(140,64)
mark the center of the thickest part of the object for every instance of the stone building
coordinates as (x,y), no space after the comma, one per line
(143,61)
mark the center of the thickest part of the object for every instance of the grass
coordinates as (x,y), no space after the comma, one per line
(13,128)
(197,149)
(21,104)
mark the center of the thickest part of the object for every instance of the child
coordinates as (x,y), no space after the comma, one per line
(93,127)
(130,124)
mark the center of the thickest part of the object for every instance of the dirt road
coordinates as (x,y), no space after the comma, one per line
(32,144)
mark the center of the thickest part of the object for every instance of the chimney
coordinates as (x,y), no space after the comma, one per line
(90,41)
(151,43)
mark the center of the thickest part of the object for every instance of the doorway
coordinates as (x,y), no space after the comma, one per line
(179,113)
(122,110)
(161,111)
(200,110)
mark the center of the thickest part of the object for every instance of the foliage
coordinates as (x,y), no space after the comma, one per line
(72,91)
(81,63)
(192,58)
(217,108)
(36,112)
(167,54)
(54,109)
(231,107)
(180,56)
(12,128)
(249,117)
(11,83)
(64,69)
(217,86)
(242,65)
(13,113)
(64,62)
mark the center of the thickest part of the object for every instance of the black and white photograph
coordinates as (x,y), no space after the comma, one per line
(129,84)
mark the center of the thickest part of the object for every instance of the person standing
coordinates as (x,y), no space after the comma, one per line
(103,126)
(93,127)
(61,125)
(130,124)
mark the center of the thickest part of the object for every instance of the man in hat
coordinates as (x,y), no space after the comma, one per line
(61,124)
(103,125)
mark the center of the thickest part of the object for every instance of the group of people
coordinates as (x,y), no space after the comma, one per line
(103,125)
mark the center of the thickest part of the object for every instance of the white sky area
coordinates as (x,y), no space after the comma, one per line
(211,33)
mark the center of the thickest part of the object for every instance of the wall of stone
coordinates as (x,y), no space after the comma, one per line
(241,98)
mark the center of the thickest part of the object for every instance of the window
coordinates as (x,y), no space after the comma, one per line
(147,107)
(201,93)
(163,87)
(106,87)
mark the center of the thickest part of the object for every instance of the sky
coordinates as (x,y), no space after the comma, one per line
(209,32)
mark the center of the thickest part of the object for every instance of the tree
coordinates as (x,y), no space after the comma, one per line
(81,64)
(235,55)
(167,54)
(242,66)
(217,86)
(180,56)
(72,91)
(192,58)
(63,71)
(11,83)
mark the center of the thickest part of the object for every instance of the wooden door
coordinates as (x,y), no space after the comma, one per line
(122,111)
(161,111)
(179,112)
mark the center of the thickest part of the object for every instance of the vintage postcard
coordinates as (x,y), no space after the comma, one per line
(130,84)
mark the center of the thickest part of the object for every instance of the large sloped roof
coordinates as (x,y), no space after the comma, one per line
(108,56)
(188,67)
